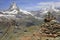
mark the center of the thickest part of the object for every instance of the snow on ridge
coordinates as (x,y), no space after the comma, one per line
(10,12)
(25,12)
(6,15)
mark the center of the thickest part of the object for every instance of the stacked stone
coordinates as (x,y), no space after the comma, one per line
(50,26)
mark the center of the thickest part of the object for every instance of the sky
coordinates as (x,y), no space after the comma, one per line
(29,4)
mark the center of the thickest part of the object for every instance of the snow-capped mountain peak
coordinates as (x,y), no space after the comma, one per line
(14,9)
(13,6)
(51,9)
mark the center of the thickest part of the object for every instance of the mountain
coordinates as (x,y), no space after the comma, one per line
(21,17)
(14,10)
(25,17)
(54,11)
(41,13)
(51,9)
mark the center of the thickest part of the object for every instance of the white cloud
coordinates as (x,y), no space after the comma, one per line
(56,4)
(43,5)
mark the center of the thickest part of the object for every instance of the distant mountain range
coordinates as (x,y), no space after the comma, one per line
(41,13)
(15,12)
(20,16)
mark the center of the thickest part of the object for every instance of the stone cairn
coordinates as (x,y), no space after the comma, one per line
(50,27)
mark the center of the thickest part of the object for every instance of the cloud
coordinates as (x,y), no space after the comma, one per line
(43,5)
(56,4)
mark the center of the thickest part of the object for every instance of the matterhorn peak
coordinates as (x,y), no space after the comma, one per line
(13,6)
(14,9)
